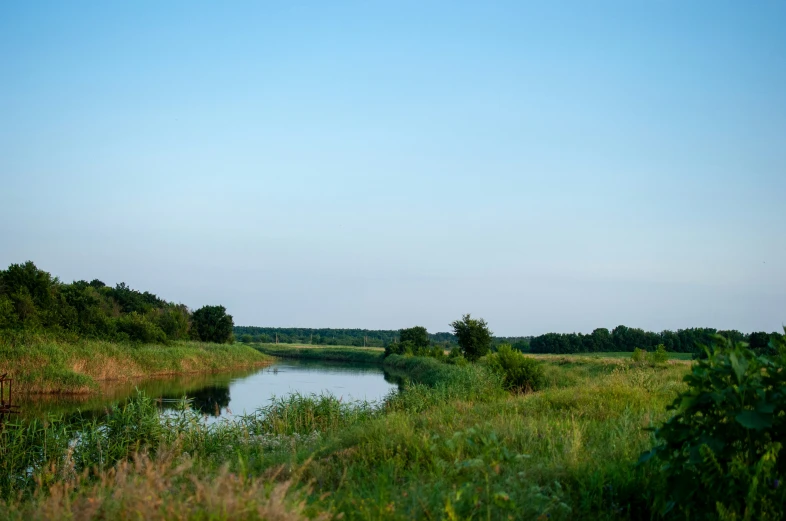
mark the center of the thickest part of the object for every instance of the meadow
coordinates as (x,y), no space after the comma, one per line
(452,445)
(361,355)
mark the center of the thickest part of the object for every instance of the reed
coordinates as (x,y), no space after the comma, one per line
(451,445)
(40,363)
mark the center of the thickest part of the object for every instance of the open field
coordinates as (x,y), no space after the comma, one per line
(452,445)
(43,364)
(608,355)
(365,355)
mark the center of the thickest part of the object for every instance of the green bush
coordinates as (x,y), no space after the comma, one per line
(639,356)
(518,372)
(721,451)
(408,347)
(659,356)
(140,329)
(212,324)
(456,358)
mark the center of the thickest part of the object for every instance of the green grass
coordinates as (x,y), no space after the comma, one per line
(451,445)
(43,364)
(618,354)
(359,355)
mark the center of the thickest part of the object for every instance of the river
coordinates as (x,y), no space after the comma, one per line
(227,394)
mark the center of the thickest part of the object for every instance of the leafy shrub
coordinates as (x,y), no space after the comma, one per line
(518,372)
(456,358)
(639,356)
(473,336)
(140,329)
(721,451)
(212,324)
(408,347)
(658,357)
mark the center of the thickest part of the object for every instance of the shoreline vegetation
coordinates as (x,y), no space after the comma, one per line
(65,338)
(42,364)
(454,443)
(481,431)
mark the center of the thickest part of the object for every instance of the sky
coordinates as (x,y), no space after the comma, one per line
(548,166)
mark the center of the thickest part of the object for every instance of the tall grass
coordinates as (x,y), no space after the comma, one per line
(45,364)
(430,382)
(451,445)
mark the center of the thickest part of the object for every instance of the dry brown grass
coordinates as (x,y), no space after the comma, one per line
(44,365)
(164,488)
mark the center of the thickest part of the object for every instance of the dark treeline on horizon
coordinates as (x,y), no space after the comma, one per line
(626,339)
(348,337)
(601,340)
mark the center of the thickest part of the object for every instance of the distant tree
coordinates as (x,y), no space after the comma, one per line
(212,324)
(417,335)
(246,339)
(474,337)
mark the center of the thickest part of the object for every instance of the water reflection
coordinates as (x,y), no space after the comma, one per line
(235,392)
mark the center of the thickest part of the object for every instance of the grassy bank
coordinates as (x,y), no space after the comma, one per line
(42,364)
(451,445)
(360,355)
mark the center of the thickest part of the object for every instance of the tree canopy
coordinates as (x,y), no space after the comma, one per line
(212,324)
(32,299)
(474,337)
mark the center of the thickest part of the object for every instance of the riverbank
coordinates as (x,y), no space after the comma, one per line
(451,445)
(360,355)
(41,364)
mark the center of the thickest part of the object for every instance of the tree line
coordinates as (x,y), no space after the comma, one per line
(33,300)
(601,340)
(627,339)
(329,336)
(351,337)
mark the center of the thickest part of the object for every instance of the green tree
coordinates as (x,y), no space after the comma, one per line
(212,324)
(417,335)
(474,337)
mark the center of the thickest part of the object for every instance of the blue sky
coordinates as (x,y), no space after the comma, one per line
(549,166)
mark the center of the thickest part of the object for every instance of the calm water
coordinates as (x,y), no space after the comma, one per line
(236,392)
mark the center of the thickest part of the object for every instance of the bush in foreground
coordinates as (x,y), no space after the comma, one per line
(722,451)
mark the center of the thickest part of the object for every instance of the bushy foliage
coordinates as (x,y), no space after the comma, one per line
(32,300)
(658,357)
(518,371)
(474,337)
(456,358)
(335,337)
(408,347)
(138,327)
(212,324)
(639,356)
(626,339)
(721,452)
(417,336)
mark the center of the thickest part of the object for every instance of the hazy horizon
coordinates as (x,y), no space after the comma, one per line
(546,167)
